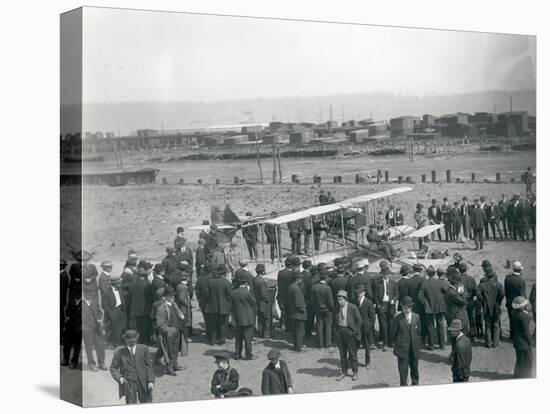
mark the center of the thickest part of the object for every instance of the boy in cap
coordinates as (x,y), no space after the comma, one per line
(368,317)
(522,338)
(406,335)
(461,355)
(514,285)
(132,369)
(263,302)
(347,321)
(276,377)
(225,380)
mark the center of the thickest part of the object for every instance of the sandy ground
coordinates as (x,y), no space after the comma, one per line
(145,218)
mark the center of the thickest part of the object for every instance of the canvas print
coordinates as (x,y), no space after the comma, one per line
(255,206)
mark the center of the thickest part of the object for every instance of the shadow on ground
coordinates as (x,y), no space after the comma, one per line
(490,375)
(319,372)
(370,386)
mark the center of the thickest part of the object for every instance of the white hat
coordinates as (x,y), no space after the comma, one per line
(362,263)
(517,265)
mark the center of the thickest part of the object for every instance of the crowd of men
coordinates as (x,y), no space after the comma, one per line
(340,302)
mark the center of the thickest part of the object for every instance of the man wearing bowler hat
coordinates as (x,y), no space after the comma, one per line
(347,321)
(243,306)
(432,297)
(218,306)
(276,377)
(132,369)
(455,300)
(461,356)
(406,334)
(491,294)
(263,302)
(368,317)
(296,309)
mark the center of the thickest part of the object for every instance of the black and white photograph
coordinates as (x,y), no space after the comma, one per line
(256,206)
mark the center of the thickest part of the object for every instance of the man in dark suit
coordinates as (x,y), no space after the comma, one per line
(415,283)
(225,381)
(385,296)
(241,274)
(503,215)
(340,281)
(168,319)
(446,218)
(491,294)
(465,210)
(470,293)
(114,305)
(514,286)
(461,356)
(72,339)
(323,305)
(347,321)
(435,216)
(477,220)
(455,221)
(63,295)
(493,217)
(250,235)
(515,213)
(132,369)
(455,300)
(200,258)
(522,338)
(263,302)
(170,262)
(360,278)
(407,341)
(276,377)
(243,307)
(403,283)
(283,282)
(218,306)
(139,309)
(296,308)
(273,236)
(368,317)
(307,283)
(432,297)
(532,216)
(483,206)
(92,332)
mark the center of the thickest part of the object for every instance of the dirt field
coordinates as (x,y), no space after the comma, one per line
(145,218)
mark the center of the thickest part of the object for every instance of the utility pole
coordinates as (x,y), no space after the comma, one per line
(258,156)
(511,107)
(330,124)
(274,166)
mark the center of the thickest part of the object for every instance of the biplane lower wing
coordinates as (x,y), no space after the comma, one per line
(425,231)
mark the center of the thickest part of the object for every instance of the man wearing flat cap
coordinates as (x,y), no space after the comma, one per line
(514,286)
(263,302)
(522,338)
(243,306)
(218,307)
(385,296)
(491,294)
(407,339)
(368,317)
(104,278)
(461,355)
(276,377)
(225,381)
(132,369)
(432,297)
(347,321)
(296,309)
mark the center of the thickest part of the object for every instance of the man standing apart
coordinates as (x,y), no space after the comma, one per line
(132,369)
(276,376)
(406,336)
(368,317)
(461,356)
(522,338)
(514,286)
(348,333)
(478,218)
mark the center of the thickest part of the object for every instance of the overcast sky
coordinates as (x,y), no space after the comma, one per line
(160,56)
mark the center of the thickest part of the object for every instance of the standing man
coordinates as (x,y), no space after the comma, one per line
(360,278)
(323,199)
(446,218)
(415,283)
(276,377)
(114,305)
(72,340)
(514,286)
(461,356)
(295,233)
(218,305)
(63,295)
(435,217)
(200,258)
(283,282)
(503,214)
(493,216)
(455,299)
(323,305)
(250,234)
(368,317)
(92,332)
(104,279)
(242,274)
(263,302)
(318,227)
(180,237)
(455,221)
(168,321)
(406,336)
(477,220)
(390,217)
(243,306)
(528,178)
(399,219)
(132,369)
(273,236)
(522,338)
(470,293)
(483,206)
(296,308)
(432,297)
(491,294)
(532,216)
(465,209)
(385,295)
(138,308)
(347,321)
(307,284)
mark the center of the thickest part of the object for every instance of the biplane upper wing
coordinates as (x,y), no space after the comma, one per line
(207,227)
(328,208)
(425,231)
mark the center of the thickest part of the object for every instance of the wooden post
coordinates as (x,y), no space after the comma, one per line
(409,179)
(164,181)
(294,178)
(274,165)
(498,177)
(357,179)
(235,180)
(473,177)
(448,176)
(387,176)
(335,179)
(199,181)
(279,165)
(433,176)
(423,178)
(400,179)
(217,180)
(181,182)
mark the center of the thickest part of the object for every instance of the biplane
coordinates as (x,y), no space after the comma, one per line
(345,225)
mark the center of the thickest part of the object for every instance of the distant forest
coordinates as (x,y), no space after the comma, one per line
(126,117)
